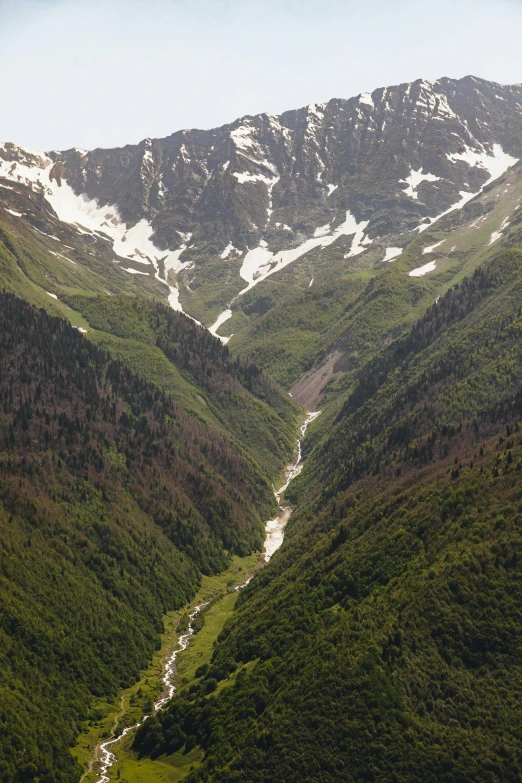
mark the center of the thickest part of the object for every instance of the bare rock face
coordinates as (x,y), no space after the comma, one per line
(238,196)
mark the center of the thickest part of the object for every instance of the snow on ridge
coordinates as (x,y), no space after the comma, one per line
(366,98)
(414,179)
(241,137)
(260,262)
(316,109)
(431,248)
(27,152)
(88,216)
(495,164)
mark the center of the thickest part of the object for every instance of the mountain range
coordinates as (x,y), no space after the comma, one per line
(361,258)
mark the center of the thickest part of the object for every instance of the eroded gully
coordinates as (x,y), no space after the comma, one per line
(275,531)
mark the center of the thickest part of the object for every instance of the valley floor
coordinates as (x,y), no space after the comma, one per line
(219,595)
(109,719)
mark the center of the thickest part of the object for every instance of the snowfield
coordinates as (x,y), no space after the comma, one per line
(260,262)
(88,216)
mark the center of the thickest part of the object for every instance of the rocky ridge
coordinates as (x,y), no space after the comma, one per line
(230,206)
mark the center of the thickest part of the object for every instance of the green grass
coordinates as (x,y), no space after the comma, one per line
(168,769)
(109,715)
(151,364)
(200,649)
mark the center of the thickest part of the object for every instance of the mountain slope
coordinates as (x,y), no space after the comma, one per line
(383,641)
(113,500)
(327,331)
(161,346)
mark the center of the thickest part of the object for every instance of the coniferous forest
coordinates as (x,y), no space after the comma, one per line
(113,501)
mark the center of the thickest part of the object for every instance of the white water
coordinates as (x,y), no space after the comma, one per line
(275,531)
(108,758)
(275,528)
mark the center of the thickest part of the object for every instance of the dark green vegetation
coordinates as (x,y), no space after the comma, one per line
(232,393)
(113,500)
(230,396)
(383,642)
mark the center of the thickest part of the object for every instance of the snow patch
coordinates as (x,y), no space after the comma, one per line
(423,270)
(246,177)
(59,255)
(391,253)
(414,179)
(260,262)
(431,248)
(495,164)
(332,188)
(132,271)
(52,295)
(322,231)
(229,248)
(225,315)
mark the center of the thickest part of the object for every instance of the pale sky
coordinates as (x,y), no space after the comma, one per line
(102,73)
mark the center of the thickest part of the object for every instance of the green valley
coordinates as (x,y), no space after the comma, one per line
(115,499)
(174,313)
(382,642)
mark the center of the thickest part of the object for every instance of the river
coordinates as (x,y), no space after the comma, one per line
(275,528)
(274,534)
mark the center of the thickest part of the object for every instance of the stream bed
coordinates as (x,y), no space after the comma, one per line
(274,534)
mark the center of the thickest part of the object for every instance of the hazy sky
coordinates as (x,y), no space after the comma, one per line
(104,73)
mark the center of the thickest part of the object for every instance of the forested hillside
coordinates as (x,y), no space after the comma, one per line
(383,641)
(230,396)
(113,499)
(234,396)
